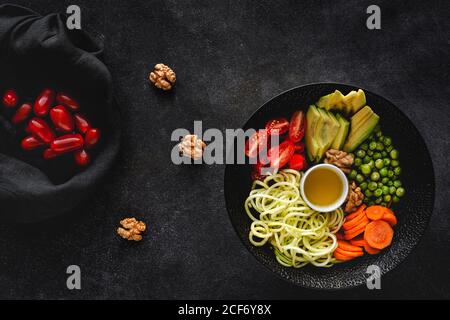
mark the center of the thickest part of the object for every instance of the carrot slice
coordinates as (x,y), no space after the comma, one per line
(354,222)
(356,213)
(358,241)
(369,249)
(361,224)
(341,257)
(344,245)
(375,212)
(389,218)
(354,232)
(346,253)
(378,234)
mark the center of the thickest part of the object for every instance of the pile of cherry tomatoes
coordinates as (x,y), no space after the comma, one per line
(55,125)
(288,153)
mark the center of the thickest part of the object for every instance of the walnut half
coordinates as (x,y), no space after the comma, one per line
(163,77)
(191,146)
(131,229)
(340,159)
(355,198)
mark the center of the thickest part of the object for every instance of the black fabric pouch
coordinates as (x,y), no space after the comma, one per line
(38,52)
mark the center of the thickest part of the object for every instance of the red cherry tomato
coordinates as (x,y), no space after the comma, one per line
(67,143)
(91,138)
(43,102)
(299,147)
(280,155)
(297,162)
(277,126)
(41,130)
(30,143)
(62,119)
(64,99)
(49,154)
(256,143)
(297,126)
(81,123)
(10,98)
(22,113)
(81,157)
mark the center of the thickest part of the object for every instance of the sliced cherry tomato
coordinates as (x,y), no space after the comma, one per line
(299,147)
(280,155)
(297,162)
(277,126)
(256,143)
(297,126)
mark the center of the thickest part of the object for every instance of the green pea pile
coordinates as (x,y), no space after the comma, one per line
(376,169)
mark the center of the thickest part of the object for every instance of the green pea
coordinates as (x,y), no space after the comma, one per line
(366,159)
(387,198)
(363,186)
(392,190)
(380,146)
(371,164)
(375,176)
(395,199)
(400,192)
(377,155)
(385,190)
(390,173)
(378,133)
(353,174)
(389,149)
(360,153)
(359,178)
(373,145)
(379,163)
(370,153)
(365,169)
(390,183)
(387,141)
(384,154)
(384,180)
(394,154)
(368,193)
(384,204)
(372,185)
(364,146)
(386,162)
(395,163)
(380,184)
(358,162)
(378,200)
(378,192)
(397,171)
(383,172)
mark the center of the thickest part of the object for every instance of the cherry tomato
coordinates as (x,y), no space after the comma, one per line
(62,119)
(64,99)
(81,123)
(297,126)
(10,98)
(81,157)
(297,162)
(280,155)
(22,113)
(49,154)
(67,143)
(30,143)
(91,138)
(41,130)
(43,102)
(299,147)
(256,143)
(277,126)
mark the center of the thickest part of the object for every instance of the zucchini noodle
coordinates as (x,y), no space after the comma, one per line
(298,234)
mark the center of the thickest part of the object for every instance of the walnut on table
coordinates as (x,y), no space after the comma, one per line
(340,159)
(355,198)
(163,77)
(131,229)
(191,146)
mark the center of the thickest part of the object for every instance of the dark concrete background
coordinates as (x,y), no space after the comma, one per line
(230,57)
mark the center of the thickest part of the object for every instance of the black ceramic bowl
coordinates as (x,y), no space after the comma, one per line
(413,211)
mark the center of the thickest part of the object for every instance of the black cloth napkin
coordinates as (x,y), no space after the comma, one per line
(38,52)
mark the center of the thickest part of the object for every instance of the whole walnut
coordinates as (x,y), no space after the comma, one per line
(191,146)
(131,229)
(355,198)
(163,77)
(340,159)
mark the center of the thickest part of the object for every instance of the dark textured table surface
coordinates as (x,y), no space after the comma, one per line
(230,57)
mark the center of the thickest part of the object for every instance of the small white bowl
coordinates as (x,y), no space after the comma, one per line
(341,199)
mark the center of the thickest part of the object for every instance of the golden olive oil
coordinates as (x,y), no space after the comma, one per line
(323,187)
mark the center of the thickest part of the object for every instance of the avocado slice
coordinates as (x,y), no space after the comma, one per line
(349,103)
(361,130)
(339,141)
(312,120)
(355,100)
(326,133)
(331,101)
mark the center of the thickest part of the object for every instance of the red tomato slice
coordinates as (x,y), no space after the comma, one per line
(280,155)
(299,147)
(256,143)
(297,126)
(277,126)
(297,162)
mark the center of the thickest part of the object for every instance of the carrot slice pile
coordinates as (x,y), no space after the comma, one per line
(368,229)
